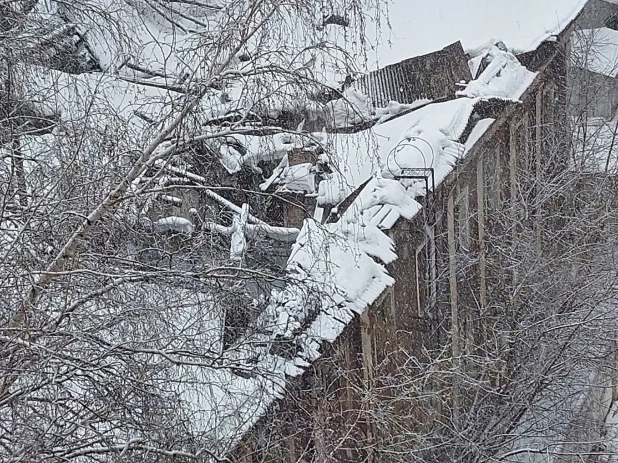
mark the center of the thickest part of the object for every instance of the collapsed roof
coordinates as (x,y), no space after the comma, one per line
(336,269)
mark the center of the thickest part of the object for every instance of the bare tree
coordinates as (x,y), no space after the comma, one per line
(134,242)
(535,369)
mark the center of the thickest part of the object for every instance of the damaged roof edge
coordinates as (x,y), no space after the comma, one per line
(325,331)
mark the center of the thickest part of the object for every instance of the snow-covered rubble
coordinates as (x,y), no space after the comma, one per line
(394,108)
(339,257)
(266,148)
(298,178)
(351,110)
(174,224)
(504,77)
(337,269)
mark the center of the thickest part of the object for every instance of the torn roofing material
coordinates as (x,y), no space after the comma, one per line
(336,270)
(431,76)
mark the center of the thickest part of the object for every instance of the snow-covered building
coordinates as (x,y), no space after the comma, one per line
(405,241)
(391,201)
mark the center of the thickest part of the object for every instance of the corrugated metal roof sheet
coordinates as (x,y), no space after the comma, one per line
(430,76)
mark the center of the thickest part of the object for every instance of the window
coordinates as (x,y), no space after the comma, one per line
(426,272)
(549,97)
(462,204)
(419,259)
(539,129)
(526,166)
(521,140)
(382,330)
(492,171)
(612,22)
(433,271)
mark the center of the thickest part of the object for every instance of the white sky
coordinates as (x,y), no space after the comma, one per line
(423,26)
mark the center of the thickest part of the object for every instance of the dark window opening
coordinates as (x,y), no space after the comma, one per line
(612,22)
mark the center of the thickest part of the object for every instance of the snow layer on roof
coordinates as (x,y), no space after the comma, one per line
(504,77)
(596,50)
(354,158)
(477,132)
(431,140)
(100,101)
(421,26)
(421,137)
(352,109)
(341,260)
(155,43)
